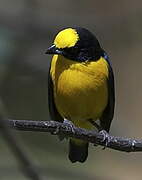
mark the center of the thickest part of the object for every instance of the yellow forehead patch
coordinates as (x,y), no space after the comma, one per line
(66,38)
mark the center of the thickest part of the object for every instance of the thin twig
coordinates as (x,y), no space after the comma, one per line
(117,143)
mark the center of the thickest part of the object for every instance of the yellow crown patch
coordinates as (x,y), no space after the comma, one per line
(66,38)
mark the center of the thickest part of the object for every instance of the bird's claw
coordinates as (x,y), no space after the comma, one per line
(70,124)
(106,138)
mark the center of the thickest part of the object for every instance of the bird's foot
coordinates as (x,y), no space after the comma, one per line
(106,138)
(70,124)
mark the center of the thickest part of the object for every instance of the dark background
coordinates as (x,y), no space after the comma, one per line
(27,28)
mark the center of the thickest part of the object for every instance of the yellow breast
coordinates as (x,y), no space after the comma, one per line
(80,89)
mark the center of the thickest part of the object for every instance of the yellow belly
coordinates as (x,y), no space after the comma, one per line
(80,89)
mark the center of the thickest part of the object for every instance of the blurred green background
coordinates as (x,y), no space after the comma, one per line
(27,28)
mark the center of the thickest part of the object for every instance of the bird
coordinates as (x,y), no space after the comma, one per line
(80,85)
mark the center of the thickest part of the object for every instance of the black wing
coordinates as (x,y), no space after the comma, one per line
(107,116)
(55,116)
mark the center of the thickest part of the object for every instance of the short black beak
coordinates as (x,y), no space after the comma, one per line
(53,50)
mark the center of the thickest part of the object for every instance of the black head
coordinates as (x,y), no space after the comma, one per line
(77,44)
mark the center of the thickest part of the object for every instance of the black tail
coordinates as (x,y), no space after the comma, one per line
(78,152)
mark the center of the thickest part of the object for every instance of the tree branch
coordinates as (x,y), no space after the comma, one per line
(56,128)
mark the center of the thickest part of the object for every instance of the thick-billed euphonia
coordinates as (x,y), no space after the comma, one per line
(81,85)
